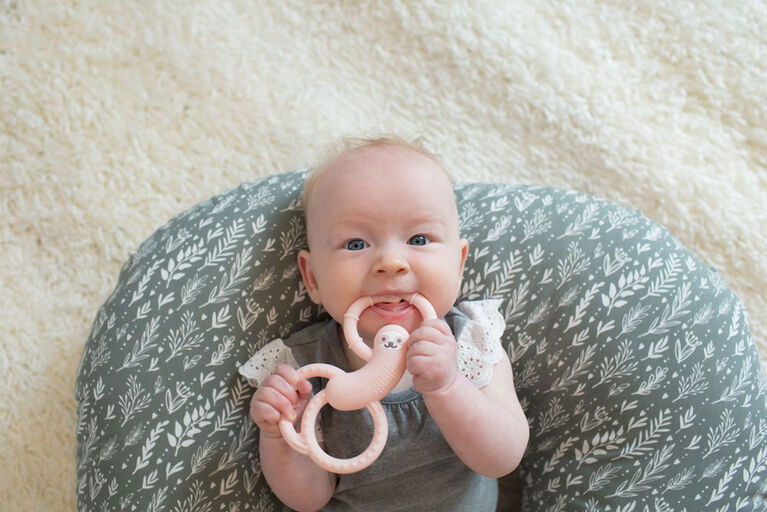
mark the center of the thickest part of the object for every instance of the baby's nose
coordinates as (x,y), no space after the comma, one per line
(391,263)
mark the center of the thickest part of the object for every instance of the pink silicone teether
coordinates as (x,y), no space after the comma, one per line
(362,388)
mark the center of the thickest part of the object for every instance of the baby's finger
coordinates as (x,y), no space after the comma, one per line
(304,389)
(288,373)
(292,377)
(422,347)
(263,413)
(417,364)
(278,401)
(282,386)
(438,324)
(428,333)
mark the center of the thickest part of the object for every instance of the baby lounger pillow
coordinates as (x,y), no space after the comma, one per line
(633,360)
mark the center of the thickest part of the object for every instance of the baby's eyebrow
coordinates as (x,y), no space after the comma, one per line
(430,225)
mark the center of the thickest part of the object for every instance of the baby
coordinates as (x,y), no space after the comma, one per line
(382,222)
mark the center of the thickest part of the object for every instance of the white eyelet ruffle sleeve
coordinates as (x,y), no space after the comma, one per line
(479,342)
(266,361)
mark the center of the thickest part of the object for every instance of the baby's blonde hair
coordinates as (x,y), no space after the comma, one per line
(348,145)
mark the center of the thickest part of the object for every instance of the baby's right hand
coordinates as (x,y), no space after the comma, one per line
(283,393)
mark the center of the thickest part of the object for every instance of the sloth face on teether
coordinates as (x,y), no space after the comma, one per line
(391,337)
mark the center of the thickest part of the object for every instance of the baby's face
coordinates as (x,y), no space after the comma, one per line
(383,223)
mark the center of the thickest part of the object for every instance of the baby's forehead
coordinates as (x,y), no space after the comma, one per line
(383,150)
(363,188)
(379,163)
(378,172)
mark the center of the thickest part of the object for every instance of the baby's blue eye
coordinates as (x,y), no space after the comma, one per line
(418,240)
(356,245)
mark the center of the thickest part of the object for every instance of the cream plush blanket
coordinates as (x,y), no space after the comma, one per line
(117,115)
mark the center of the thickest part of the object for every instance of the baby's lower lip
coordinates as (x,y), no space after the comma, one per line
(392,312)
(392,306)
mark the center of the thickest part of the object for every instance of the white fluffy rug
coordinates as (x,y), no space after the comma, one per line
(116,115)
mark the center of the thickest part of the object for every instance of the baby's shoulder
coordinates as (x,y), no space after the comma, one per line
(316,332)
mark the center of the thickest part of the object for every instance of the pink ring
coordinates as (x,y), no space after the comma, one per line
(305,442)
(352,316)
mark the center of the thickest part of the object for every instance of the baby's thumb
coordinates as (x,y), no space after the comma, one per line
(304,388)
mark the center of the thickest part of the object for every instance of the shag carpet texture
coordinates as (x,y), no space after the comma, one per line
(114,116)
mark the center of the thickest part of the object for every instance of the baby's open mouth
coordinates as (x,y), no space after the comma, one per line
(393,304)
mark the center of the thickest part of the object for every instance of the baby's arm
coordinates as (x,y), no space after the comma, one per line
(485,427)
(293,477)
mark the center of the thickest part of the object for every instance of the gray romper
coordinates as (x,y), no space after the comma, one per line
(417,470)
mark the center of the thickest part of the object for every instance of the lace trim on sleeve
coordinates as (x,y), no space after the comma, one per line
(479,343)
(266,360)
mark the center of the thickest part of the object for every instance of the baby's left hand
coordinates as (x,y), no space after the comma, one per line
(431,357)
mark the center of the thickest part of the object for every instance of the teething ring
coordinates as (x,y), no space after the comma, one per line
(355,390)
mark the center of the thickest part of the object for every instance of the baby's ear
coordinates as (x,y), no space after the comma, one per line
(305,266)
